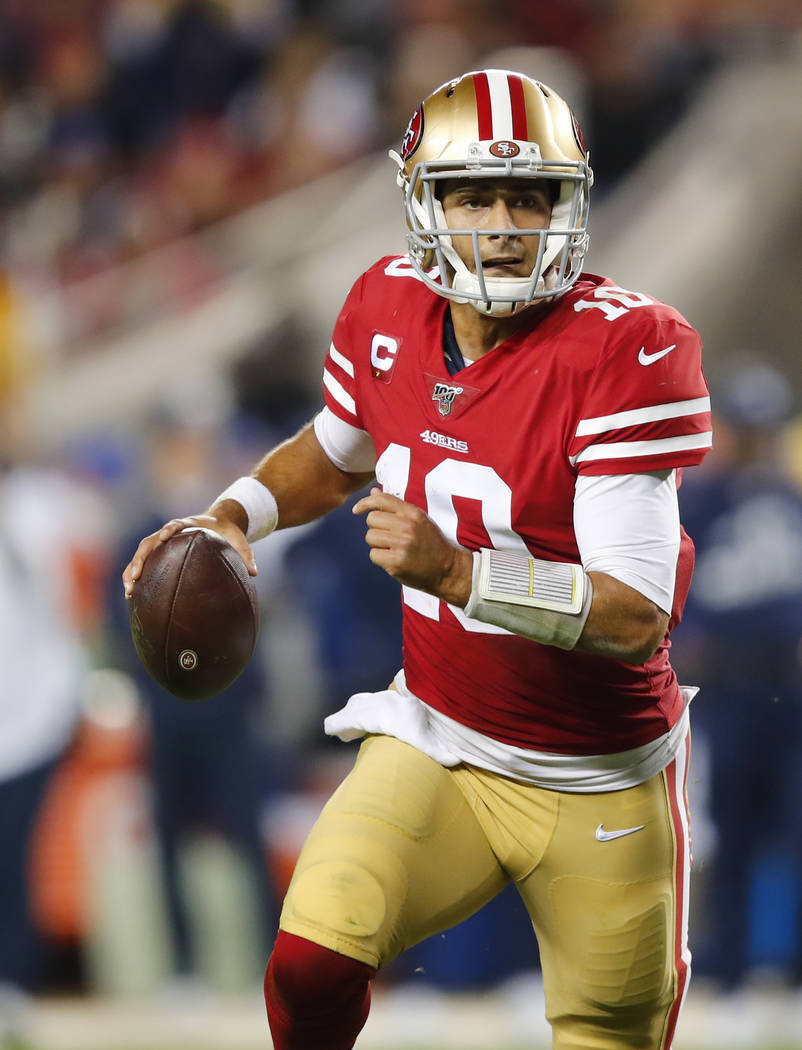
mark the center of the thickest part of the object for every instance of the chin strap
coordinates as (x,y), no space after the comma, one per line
(503,309)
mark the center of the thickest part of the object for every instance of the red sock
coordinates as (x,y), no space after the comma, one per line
(316,999)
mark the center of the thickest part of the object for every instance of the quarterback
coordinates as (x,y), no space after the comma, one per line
(520,428)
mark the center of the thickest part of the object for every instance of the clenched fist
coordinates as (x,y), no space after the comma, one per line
(407,544)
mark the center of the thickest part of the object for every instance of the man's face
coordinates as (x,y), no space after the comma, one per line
(494,204)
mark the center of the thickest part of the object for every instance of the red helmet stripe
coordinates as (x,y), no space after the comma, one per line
(484,110)
(518,102)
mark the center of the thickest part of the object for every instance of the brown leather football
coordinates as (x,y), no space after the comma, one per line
(194,614)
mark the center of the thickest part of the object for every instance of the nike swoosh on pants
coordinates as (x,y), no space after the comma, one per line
(608,836)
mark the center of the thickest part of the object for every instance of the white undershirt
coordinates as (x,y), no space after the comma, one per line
(399,713)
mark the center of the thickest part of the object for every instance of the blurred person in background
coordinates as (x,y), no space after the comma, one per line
(47,529)
(741,640)
(525,423)
(211,764)
(54,532)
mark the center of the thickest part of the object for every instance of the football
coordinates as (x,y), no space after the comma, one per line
(194,614)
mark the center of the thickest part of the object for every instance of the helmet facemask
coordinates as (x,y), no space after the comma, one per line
(562,244)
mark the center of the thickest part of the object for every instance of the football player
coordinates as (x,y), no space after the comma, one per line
(523,427)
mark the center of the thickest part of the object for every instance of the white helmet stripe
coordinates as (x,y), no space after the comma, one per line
(500,103)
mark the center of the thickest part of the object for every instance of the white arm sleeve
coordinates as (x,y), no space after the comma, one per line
(349,448)
(627,525)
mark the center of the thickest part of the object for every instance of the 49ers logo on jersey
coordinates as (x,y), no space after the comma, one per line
(433,437)
(413,134)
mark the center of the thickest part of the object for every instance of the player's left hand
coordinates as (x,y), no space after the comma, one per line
(407,544)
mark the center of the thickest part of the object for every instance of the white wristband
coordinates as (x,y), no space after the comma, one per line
(546,601)
(258,503)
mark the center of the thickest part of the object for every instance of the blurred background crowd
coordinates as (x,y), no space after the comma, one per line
(187,189)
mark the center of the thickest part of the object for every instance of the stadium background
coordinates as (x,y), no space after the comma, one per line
(188,189)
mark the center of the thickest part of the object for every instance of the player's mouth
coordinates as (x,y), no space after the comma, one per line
(502,264)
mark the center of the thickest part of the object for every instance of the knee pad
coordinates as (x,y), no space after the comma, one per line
(340,897)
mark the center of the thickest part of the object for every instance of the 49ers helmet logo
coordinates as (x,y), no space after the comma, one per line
(505,148)
(413,134)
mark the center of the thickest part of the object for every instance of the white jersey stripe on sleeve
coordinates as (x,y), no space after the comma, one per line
(649,414)
(500,104)
(635,449)
(341,360)
(338,392)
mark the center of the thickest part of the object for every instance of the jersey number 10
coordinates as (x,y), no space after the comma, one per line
(450,478)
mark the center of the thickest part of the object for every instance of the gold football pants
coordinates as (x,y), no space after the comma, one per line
(406,848)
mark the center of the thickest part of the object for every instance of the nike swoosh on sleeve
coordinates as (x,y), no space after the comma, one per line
(649,359)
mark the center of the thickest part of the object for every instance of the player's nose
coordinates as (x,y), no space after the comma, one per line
(499,217)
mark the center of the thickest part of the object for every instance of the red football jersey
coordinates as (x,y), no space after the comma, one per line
(607,381)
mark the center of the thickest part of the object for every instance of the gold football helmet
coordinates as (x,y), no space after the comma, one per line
(488,124)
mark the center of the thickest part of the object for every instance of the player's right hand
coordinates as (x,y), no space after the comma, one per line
(230,532)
